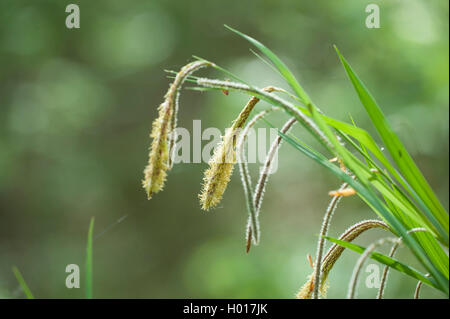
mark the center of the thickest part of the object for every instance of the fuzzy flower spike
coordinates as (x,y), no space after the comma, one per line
(333,254)
(221,164)
(161,147)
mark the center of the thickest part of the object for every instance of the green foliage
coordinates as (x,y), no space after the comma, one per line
(388,261)
(403,198)
(76,109)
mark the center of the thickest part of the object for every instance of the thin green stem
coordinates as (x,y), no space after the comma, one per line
(323,232)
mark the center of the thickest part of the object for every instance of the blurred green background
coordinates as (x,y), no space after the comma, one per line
(76,108)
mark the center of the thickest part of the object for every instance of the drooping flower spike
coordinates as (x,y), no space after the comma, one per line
(161,147)
(333,254)
(221,164)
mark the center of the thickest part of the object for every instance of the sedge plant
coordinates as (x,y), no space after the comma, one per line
(392,187)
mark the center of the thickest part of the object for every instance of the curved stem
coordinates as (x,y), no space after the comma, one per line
(360,263)
(349,235)
(264,176)
(418,287)
(386,271)
(180,78)
(391,254)
(273,99)
(246,180)
(323,232)
(335,252)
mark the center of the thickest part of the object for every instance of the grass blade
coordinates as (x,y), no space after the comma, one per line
(398,152)
(89,265)
(22,283)
(285,72)
(388,261)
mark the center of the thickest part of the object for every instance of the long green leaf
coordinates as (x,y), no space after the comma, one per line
(22,283)
(388,261)
(360,134)
(89,262)
(427,216)
(396,148)
(284,70)
(417,246)
(373,201)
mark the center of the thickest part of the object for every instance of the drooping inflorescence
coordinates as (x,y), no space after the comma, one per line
(399,195)
(160,149)
(221,164)
(217,176)
(333,254)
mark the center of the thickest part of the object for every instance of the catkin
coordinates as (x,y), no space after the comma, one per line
(221,164)
(218,174)
(160,149)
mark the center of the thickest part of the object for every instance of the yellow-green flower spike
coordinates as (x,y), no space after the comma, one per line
(159,156)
